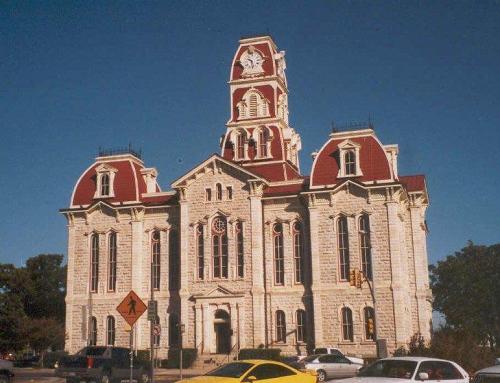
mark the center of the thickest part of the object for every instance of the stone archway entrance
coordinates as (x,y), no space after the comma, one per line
(222,329)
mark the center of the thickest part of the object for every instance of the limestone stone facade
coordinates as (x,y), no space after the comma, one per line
(245,251)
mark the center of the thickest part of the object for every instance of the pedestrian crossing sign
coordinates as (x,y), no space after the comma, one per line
(131,308)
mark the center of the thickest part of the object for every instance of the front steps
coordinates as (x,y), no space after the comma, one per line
(211,361)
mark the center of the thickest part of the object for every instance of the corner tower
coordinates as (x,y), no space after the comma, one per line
(258,135)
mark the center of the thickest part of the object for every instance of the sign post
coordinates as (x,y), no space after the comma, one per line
(131,308)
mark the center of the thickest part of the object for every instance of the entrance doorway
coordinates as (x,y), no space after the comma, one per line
(222,327)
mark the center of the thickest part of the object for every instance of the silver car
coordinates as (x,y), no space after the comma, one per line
(329,366)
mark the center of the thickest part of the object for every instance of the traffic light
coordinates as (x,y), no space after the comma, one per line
(352,277)
(359,278)
(371,326)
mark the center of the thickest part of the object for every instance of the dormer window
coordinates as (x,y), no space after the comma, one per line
(253,104)
(105,179)
(262,136)
(241,145)
(349,159)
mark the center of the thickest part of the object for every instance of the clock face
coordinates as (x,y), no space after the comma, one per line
(251,61)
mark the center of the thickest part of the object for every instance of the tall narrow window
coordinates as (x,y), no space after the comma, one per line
(343,244)
(218,192)
(173,260)
(112,262)
(94,262)
(229,192)
(240,146)
(93,331)
(350,162)
(279,259)
(155,260)
(366,248)
(301,326)
(369,323)
(208,195)
(280,327)
(298,250)
(105,184)
(263,136)
(156,338)
(253,105)
(110,330)
(347,326)
(173,330)
(200,248)
(239,250)
(219,246)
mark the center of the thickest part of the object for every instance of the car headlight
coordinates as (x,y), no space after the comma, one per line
(56,364)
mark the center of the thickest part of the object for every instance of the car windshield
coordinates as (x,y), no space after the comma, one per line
(92,351)
(231,370)
(400,369)
(321,351)
(310,358)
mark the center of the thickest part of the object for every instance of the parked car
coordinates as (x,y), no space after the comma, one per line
(336,351)
(410,369)
(488,375)
(329,366)
(254,370)
(6,371)
(101,364)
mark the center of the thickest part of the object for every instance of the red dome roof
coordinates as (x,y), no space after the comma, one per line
(373,160)
(128,184)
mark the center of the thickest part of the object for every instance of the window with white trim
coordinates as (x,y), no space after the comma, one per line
(219,247)
(94,262)
(349,156)
(347,325)
(200,249)
(279,258)
(253,104)
(112,253)
(155,259)
(110,330)
(240,260)
(365,246)
(105,175)
(280,327)
(343,247)
(298,252)
(301,325)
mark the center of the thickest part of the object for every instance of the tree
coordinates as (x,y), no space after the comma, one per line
(45,333)
(466,289)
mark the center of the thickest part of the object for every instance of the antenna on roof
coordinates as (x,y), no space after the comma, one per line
(334,128)
(370,120)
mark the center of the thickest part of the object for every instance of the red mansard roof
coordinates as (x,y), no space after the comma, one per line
(168,199)
(282,190)
(275,172)
(413,183)
(373,161)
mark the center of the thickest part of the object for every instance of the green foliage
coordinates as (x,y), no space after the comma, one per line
(32,307)
(188,357)
(452,344)
(466,289)
(260,353)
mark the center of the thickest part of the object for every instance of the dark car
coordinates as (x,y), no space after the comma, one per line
(101,364)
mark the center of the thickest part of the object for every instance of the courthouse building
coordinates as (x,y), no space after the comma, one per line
(247,249)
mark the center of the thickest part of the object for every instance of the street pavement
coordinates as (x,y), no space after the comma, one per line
(43,375)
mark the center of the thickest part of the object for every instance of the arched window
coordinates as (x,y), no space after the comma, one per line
(240,145)
(173,260)
(239,250)
(298,252)
(156,338)
(301,326)
(105,184)
(263,138)
(173,330)
(218,192)
(94,262)
(155,259)
(93,331)
(219,247)
(350,162)
(279,259)
(343,245)
(110,330)
(112,249)
(365,244)
(280,327)
(369,314)
(200,249)
(347,326)
(253,103)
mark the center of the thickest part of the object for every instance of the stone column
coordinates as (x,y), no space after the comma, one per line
(397,267)
(234,324)
(69,289)
(315,274)
(206,328)
(257,291)
(424,310)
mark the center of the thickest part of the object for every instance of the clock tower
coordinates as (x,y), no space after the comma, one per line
(258,134)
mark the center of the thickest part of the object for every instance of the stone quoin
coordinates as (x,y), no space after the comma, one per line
(245,250)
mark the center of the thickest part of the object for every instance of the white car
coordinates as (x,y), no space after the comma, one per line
(329,366)
(336,351)
(488,375)
(410,369)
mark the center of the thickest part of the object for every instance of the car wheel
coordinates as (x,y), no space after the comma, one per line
(321,376)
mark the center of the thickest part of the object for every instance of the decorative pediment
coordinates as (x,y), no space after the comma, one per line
(348,144)
(105,168)
(213,165)
(219,292)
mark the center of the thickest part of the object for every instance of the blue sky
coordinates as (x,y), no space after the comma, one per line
(78,75)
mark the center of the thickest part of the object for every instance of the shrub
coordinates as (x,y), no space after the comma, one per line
(188,357)
(260,353)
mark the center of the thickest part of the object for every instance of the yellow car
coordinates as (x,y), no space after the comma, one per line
(249,371)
